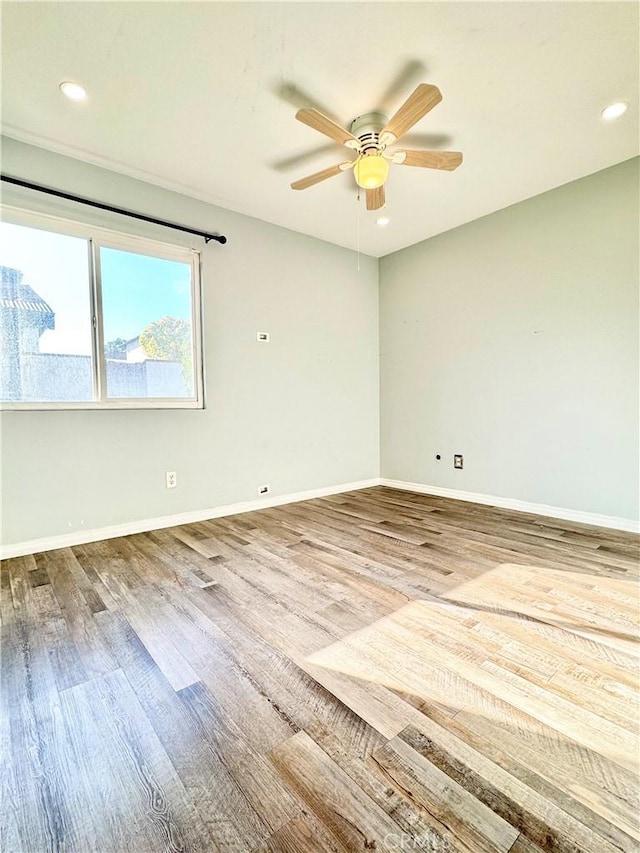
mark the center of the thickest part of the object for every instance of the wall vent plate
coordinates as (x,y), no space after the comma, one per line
(457,460)
(263,337)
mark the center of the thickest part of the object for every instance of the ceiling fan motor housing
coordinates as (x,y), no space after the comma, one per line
(367,129)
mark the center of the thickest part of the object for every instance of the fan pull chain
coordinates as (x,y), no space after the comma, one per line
(358,230)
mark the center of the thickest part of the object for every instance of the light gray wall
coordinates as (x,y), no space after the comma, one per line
(298,413)
(514,341)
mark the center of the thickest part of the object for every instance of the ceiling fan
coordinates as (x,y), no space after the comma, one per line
(369,136)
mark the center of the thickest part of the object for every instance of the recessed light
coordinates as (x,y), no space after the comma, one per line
(73,91)
(614,110)
(382,221)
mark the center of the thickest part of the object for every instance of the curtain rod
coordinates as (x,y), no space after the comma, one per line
(59,194)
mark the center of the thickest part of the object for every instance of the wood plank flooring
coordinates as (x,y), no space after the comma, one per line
(376,670)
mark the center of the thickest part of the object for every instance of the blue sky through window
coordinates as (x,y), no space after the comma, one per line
(138,289)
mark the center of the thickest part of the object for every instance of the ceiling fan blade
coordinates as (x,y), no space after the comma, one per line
(375,198)
(325,125)
(448,160)
(424,98)
(310,180)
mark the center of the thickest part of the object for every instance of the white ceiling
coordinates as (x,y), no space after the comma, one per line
(201,97)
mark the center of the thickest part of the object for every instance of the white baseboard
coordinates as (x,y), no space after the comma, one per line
(579,516)
(80,537)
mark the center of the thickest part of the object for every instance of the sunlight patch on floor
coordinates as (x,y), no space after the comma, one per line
(520,646)
(604,609)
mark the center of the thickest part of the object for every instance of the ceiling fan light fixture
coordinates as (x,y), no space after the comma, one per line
(371,171)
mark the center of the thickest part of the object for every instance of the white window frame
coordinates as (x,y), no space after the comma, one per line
(99,237)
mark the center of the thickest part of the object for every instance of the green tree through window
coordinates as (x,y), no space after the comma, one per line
(169,339)
(117,348)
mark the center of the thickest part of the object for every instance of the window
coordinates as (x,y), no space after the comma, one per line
(91,319)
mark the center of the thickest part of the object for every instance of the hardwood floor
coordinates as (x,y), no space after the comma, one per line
(374,670)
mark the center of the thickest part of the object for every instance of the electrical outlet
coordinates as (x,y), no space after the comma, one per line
(172,479)
(263,337)
(264,490)
(457,460)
